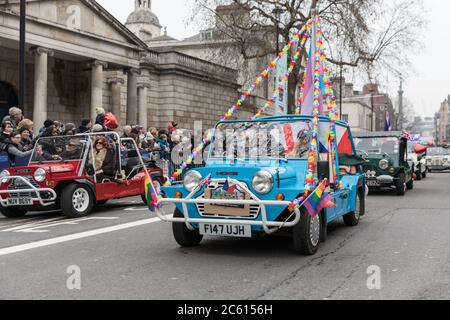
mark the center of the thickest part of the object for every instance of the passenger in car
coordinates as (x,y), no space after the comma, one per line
(104,160)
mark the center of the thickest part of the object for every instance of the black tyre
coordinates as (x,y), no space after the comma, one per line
(424,174)
(76,200)
(183,236)
(352,219)
(12,212)
(410,184)
(400,184)
(419,173)
(307,233)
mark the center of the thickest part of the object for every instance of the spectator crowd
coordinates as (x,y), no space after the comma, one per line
(19,135)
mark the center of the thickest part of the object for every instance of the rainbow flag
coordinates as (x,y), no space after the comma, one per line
(319,200)
(150,195)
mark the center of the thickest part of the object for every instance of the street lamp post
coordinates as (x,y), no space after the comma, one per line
(22,54)
(277,11)
(373,111)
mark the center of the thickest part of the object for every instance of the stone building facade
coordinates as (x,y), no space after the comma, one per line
(79,57)
(443,122)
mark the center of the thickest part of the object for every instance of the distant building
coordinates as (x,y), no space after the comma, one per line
(423,126)
(443,122)
(357,106)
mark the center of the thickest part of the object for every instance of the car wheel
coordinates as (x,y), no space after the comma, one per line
(419,173)
(400,184)
(12,212)
(410,184)
(76,200)
(424,174)
(183,236)
(352,219)
(306,234)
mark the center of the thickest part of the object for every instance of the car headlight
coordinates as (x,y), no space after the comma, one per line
(384,164)
(262,182)
(4,173)
(40,175)
(191,180)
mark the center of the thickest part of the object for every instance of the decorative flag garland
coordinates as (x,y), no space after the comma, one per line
(229,114)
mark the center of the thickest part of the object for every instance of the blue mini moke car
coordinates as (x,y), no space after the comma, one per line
(254,171)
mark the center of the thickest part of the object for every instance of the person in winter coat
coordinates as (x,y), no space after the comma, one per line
(100,117)
(104,159)
(14,148)
(26,141)
(86,126)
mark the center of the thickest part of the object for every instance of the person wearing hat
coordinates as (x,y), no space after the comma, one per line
(100,117)
(73,150)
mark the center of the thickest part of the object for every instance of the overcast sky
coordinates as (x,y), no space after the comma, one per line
(426,90)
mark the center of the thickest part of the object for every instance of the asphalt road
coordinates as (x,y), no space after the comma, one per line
(122,252)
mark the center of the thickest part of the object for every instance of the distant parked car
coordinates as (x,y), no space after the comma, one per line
(438,159)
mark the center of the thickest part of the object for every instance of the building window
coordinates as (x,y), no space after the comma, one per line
(345,117)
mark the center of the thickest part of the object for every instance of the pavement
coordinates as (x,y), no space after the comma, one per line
(400,250)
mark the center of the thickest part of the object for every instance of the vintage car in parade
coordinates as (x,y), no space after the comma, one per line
(61,175)
(438,159)
(255,171)
(386,160)
(417,156)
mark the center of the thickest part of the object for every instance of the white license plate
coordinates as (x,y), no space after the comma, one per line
(373,183)
(20,201)
(226,230)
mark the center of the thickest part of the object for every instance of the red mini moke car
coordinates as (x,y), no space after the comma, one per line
(61,174)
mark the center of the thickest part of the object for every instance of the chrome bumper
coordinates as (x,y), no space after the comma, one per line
(34,191)
(268,226)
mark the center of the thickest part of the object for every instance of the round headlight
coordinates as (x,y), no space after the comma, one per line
(384,164)
(40,175)
(262,182)
(191,180)
(4,173)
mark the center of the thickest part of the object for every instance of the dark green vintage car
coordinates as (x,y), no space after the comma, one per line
(386,160)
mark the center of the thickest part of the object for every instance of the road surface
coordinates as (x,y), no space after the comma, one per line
(123,252)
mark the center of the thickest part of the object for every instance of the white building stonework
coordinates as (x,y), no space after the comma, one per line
(79,57)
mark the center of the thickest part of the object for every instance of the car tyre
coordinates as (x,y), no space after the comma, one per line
(400,184)
(352,219)
(419,173)
(410,184)
(12,212)
(306,234)
(158,185)
(424,174)
(183,236)
(76,200)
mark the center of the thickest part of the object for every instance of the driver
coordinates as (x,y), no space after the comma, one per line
(73,150)
(301,147)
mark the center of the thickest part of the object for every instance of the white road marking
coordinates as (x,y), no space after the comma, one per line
(75,236)
(26,223)
(136,209)
(34,229)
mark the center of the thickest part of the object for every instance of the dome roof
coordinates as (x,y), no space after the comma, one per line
(143,16)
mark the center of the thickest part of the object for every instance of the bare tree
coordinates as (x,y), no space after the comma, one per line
(371,35)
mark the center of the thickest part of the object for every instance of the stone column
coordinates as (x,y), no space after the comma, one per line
(40,85)
(116,85)
(97,86)
(132,96)
(143,98)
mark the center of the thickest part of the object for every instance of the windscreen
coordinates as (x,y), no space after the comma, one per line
(262,140)
(376,145)
(68,148)
(438,152)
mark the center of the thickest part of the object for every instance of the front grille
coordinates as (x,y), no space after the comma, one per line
(254,209)
(18,184)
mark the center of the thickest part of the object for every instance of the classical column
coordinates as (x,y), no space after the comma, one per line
(116,85)
(143,98)
(97,86)
(40,84)
(132,96)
